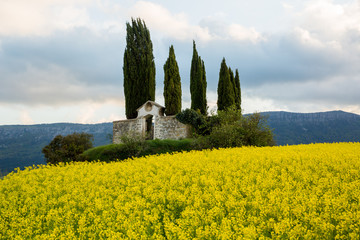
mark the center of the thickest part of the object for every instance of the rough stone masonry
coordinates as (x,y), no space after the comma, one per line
(163,127)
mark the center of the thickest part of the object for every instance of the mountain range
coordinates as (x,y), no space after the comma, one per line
(21,145)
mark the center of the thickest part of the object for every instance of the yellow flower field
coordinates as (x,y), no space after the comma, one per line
(291,192)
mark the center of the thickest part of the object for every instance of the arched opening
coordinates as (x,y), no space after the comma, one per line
(149,134)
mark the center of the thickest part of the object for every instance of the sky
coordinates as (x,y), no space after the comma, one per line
(61,60)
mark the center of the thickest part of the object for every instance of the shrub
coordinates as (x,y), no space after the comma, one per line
(193,118)
(132,144)
(256,131)
(115,152)
(67,148)
(229,128)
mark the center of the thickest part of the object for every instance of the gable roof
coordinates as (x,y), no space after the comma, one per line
(152,103)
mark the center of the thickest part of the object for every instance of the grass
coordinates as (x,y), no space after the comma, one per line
(113,152)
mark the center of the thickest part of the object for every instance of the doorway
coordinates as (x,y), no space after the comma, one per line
(149,134)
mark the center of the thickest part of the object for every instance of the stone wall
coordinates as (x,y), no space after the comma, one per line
(170,128)
(122,127)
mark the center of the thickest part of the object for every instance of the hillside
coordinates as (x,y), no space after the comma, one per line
(283,192)
(20,145)
(296,128)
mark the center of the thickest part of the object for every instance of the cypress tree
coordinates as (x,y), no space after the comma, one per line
(172,85)
(238,90)
(198,83)
(139,67)
(232,80)
(203,109)
(226,96)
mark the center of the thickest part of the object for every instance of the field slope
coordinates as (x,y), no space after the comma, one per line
(304,191)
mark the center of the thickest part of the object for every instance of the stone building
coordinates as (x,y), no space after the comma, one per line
(151,124)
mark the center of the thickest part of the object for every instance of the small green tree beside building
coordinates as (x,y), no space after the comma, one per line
(198,83)
(139,67)
(172,85)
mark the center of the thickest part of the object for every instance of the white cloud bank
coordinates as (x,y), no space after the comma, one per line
(177,26)
(41,17)
(75,71)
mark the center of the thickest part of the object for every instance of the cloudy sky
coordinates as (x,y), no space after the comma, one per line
(61,60)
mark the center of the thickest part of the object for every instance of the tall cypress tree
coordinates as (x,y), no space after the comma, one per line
(172,85)
(139,67)
(203,109)
(232,80)
(198,82)
(238,90)
(226,95)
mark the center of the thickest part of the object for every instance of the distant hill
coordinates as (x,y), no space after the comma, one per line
(304,128)
(21,145)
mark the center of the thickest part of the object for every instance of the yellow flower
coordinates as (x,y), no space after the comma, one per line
(305,191)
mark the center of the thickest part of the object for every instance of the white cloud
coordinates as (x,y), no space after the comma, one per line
(240,33)
(329,21)
(211,98)
(95,112)
(287,6)
(40,17)
(160,19)
(177,26)
(69,17)
(25,118)
(53,85)
(256,103)
(306,38)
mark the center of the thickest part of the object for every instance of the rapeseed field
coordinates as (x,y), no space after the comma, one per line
(290,192)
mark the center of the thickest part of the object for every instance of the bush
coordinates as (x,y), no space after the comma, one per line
(67,148)
(193,118)
(256,131)
(132,145)
(230,129)
(115,152)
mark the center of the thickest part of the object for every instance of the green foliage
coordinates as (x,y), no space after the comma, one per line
(158,146)
(133,144)
(114,152)
(226,94)
(237,90)
(231,129)
(67,148)
(257,132)
(193,118)
(139,67)
(172,85)
(198,83)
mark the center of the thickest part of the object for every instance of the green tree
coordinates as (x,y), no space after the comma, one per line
(67,148)
(232,80)
(238,90)
(139,67)
(226,95)
(231,129)
(198,83)
(172,85)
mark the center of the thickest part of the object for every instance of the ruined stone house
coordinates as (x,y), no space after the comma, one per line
(151,124)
